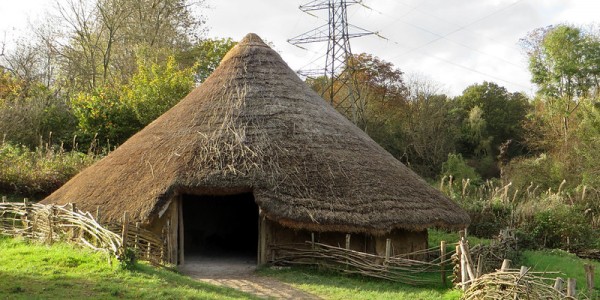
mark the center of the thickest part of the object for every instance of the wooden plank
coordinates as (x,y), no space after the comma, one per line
(181,231)
(172,232)
(262,238)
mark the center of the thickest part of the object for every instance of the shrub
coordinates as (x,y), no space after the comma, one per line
(39,172)
(456,167)
(560,226)
(542,171)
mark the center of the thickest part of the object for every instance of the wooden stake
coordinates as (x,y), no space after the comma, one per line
(479,266)
(442,261)
(558,284)
(571,287)
(137,237)
(312,240)
(347,241)
(458,274)
(148,251)
(50,224)
(464,248)
(388,249)
(125,229)
(464,275)
(589,276)
(73,230)
(26,218)
(505,265)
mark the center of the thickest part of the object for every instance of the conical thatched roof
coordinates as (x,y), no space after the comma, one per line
(253,125)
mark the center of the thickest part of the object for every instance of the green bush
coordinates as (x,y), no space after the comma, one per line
(560,227)
(543,171)
(456,167)
(488,220)
(115,113)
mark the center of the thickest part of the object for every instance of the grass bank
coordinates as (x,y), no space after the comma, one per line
(33,271)
(567,263)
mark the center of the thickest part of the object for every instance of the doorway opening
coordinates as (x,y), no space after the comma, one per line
(220,226)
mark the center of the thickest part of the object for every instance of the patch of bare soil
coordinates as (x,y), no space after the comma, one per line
(239,273)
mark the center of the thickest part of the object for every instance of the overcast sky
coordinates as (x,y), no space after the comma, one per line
(454,42)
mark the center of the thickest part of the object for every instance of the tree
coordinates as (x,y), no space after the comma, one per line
(564,62)
(490,116)
(429,129)
(98,41)
(490,112)
(206,55)
(115,113)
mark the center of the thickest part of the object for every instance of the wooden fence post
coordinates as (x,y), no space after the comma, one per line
(162,247)
(589,276)
(51,224)
(558,284)
(98,214)
(137,237)
(442,261)
(148,251)
(523,270)
(464,275)
(388,249)
(458,268)
(347,241)
(312,240)
(73,230)
(505,265)
(466,256)
(3,199)
(479,270)
(125,230)
(571,287)
(26,219)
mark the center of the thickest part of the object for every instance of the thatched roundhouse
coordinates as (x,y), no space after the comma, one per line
(254,157)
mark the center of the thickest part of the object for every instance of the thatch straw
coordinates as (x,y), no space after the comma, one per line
(254,126)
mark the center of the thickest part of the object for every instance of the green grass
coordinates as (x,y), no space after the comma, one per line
(331,285)
(565,262)
(33,271)
(452,237)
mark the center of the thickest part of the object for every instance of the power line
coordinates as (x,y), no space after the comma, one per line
(337,33)
(445,36)
(320,36)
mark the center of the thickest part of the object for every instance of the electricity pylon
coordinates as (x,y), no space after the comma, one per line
(338,70)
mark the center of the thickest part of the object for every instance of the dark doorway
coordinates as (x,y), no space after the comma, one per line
(220,226)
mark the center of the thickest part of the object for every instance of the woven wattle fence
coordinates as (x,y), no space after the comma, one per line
(66,223)
(405,268)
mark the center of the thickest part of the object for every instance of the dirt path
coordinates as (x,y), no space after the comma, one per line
(238,273)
